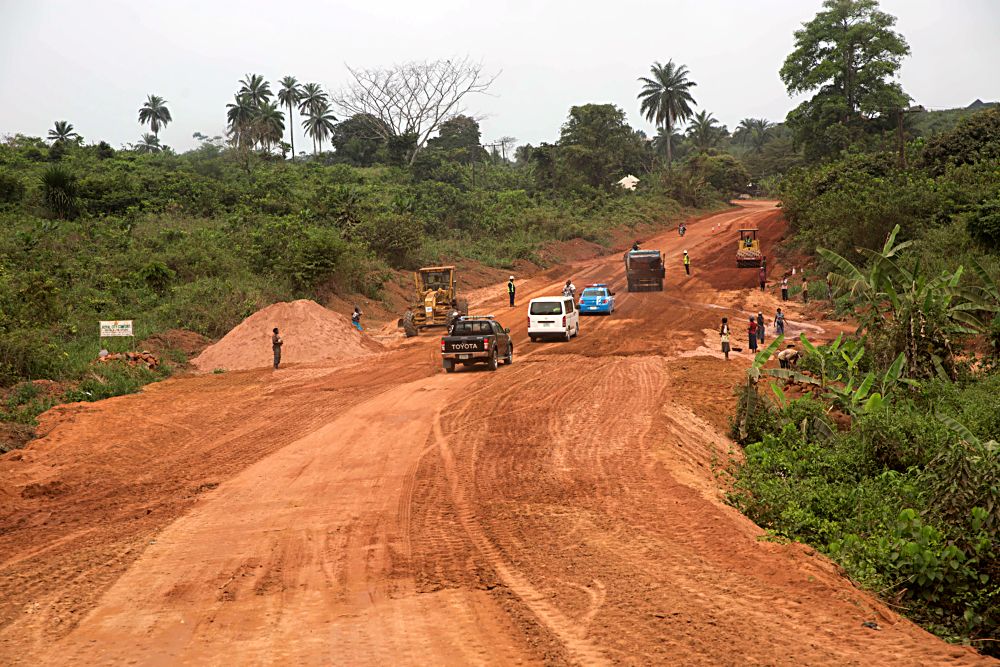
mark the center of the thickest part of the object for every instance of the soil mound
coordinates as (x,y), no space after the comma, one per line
(311,334)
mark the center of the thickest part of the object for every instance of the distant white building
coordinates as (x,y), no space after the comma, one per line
(629,182)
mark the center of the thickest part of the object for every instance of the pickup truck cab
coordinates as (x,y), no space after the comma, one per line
(476,340)
(553,317)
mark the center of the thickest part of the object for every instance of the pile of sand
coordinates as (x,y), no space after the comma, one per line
(311,334)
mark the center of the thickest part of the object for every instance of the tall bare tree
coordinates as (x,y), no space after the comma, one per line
(411,100)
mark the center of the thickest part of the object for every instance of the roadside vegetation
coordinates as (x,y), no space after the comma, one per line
(880,449)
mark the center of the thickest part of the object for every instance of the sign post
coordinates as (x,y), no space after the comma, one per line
(116,329)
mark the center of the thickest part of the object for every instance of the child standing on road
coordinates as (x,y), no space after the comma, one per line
(724,335)
(752,334)
(356,318)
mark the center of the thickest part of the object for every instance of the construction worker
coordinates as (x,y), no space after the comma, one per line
(752,334)
(724,336)
(276,344)
(570,289)
(779,323)
(510,290)
(687,263)
(356,318)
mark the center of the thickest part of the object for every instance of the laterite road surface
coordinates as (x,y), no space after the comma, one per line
(567,509)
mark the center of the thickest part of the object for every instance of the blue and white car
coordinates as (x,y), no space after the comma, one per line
(597,298)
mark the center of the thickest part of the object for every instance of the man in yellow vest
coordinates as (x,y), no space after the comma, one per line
(687,263)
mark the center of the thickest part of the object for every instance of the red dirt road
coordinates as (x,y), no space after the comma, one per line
(563,510)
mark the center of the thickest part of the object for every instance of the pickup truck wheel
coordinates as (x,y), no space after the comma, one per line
(449,366)
(492,363)
(509,359)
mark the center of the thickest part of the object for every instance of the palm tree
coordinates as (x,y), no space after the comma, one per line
(757,131)
(660,141)
(256,89)
(666,98)
(155,113)
(150,144)
(312,97)
(289,95)
(704,131)
(269,124)
(240,116)
(319,124)
(63,131)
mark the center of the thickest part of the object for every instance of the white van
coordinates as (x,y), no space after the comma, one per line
(553,317)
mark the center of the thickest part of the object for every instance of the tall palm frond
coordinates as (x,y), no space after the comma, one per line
(319,124)
(665,97)
(289,96)
(154,113)
(62,131)
(255,89)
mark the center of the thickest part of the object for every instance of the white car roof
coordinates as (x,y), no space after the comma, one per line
(549,298)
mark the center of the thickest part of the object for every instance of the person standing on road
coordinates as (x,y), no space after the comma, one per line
(762,276)
(356,318)
(687,263)
(682,229)
(276,344)
(784,289)
(510,290)
(805,290)
(570,289)
(760,327)
(752,334)
(724,336)
(779,323)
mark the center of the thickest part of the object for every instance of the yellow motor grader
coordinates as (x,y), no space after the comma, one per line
(436,300)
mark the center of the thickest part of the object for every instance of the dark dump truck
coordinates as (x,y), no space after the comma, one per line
(476,340)
(644,270)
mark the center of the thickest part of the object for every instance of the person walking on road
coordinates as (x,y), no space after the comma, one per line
(570,289)
(687,263)
(784,289)
(356,318)
(762,276)
(276,344)
(805,291)
(724,336)
(510,290)
(682,229)
(779,323)
(752,334)
(760,327)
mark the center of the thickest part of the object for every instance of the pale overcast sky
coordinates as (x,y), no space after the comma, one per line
(92,62)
